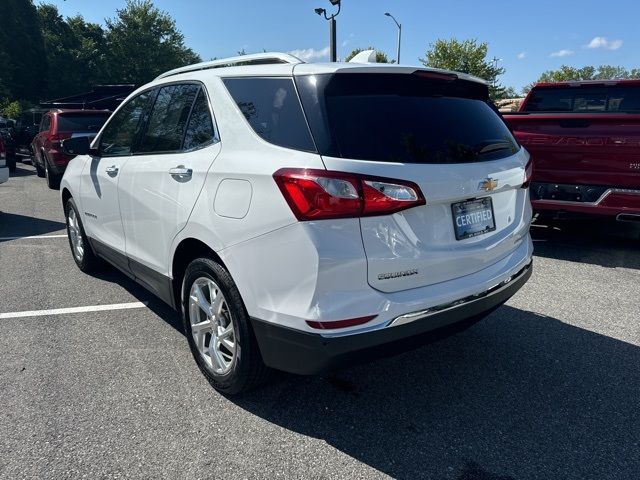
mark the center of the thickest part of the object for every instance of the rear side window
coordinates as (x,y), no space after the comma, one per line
(403,118)
(122,130)
(591,99)
(272,108)
(81,122)
(168,119)
(200,128)
(45,123)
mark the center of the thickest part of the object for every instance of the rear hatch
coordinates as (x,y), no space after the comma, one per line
(438,131)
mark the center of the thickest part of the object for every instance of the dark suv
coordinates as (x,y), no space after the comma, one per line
(58,125)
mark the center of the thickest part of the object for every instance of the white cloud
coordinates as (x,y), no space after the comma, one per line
(562,53)
(602,42)
(348,40)
(521,55)
(308,54)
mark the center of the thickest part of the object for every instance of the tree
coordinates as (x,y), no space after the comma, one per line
(566,74)
(466,56)
(381,57)
(22,73)
(142,42)
(11,110)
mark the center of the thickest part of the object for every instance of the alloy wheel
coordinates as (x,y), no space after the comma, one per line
(212,326)
(77,244)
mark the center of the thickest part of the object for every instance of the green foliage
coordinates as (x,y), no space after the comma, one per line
(467,56)
(11,110)
(566,73)
(23,74)
(142,42)
(381,57)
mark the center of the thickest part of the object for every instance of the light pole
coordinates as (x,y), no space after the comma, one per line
(332,28)
(399,25)
(495,66)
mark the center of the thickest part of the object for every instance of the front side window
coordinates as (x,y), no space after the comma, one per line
(168,119)
(119,135)
(272,108)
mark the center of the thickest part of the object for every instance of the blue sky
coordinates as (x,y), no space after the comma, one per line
(529,37)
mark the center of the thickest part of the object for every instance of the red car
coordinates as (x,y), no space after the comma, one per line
(584,139)
(58,125)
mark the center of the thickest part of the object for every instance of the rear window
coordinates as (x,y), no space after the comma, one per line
(81,123)
(592,99)
(272,108)
(403,118)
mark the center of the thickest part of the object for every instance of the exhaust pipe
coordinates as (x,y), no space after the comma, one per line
(628,217)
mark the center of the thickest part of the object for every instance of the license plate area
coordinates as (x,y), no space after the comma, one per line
(473,217)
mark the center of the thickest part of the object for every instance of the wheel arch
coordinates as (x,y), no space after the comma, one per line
(188,250)
(65,195)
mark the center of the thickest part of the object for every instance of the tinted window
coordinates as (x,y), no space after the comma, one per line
(200,127)
(403,118)
(46,123)
(81,123)
(591,99)
(168,119)
(272,108)
(123,128)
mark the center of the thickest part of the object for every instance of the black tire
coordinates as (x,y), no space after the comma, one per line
(88,262)
(53,179)
(11,163)
(39,170)
(248,370)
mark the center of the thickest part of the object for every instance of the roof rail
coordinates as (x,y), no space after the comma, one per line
(266,58)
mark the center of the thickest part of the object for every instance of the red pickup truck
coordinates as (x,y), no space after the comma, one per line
(584,139)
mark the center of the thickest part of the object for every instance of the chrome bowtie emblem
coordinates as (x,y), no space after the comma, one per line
(488,184)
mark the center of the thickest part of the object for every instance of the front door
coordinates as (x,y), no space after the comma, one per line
(99,187)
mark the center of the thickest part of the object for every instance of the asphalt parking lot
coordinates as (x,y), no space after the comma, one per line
(546,387)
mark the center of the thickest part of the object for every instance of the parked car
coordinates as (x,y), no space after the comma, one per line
(305,216)
(57,125)
(7,146)
(584,139)
(4,170)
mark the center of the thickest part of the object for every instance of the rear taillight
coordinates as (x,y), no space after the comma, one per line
(528,173)
(322,194)
(56,140)
(2,150)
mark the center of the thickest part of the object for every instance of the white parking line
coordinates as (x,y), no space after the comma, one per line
(33,236)
(62,311)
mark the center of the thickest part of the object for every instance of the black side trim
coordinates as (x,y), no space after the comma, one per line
(115,258)
(157,283)
(306,353)
(153,281)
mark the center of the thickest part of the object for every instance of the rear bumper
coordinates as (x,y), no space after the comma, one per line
(307,353)
(607,201)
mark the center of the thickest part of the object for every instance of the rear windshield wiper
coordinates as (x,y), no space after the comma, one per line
(493,146)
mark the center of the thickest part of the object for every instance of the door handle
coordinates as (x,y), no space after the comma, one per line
(181,172)
(112,170)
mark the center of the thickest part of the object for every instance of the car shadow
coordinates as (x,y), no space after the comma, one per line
(22,172)
(14,225)
(517,396)
(600,242)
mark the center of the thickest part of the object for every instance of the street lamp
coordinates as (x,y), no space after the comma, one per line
(399,25)
(332,28)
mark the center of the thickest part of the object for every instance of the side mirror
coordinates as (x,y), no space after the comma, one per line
(76,146)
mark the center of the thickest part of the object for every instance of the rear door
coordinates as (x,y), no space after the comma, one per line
(161,182)
(440,133)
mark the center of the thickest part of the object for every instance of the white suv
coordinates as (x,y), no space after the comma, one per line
(303,216)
